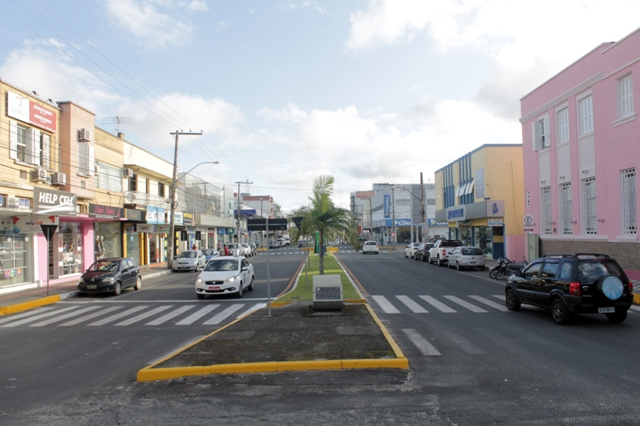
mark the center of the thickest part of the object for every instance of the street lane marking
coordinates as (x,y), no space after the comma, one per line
(224,314)
(170,315)
(386,306)
(465,344)
(197,315)
(117,316)
(89,317)
(252,309)
(464,304)
(438,305)
(412,305)
(144,315)
(37,317)
(490,303)
(426,348)
(25,314)
(64,317)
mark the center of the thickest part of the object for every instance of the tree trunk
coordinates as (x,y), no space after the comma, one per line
(321,247)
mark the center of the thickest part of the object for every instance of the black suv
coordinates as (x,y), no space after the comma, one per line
(567,284)
(422,252)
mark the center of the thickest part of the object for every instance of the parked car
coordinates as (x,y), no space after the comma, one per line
(209,254)
(234,249)
(410,250)
(189,260)
(568,284)
(225,275)
(466,257)
(370,247)
(422,252)
(254,249)
(110,275)
(439,253)
(274,244)
(245,250)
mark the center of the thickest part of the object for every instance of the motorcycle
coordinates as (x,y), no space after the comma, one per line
(498,266)
(515,268)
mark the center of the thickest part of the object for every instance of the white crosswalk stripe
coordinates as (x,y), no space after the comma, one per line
(64,317)
(91,316)
(171,315)
(37,317)
(465,304)
(223,315)
(118,316)
(25,314)
(197,315)
(144,315)
(438,305)
(423,345)
(488,302)
(386,306)
(412,305)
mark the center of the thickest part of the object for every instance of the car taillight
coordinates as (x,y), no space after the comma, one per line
(574,289)
(444,252)
(630,286)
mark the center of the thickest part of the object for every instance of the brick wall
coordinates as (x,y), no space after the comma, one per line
(627,254)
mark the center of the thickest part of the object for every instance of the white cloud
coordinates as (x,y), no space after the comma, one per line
(145,20)
(196,6)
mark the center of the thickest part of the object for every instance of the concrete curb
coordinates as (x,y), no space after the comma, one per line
(25,306)
(150,373)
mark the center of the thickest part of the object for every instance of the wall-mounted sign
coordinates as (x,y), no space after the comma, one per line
(107,212)
(30,112)
(32,224)
(49,201)
(457,213)
(365,194)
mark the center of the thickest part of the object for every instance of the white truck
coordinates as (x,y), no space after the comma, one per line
(439,253)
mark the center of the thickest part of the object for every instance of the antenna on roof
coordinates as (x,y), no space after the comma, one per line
(118,120)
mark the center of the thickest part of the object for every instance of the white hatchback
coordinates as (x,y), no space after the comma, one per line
(189,260)
(225,275)
(370,247)
(466,257)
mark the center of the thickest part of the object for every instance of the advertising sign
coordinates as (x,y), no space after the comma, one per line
(365,194)
(22,109)
(32,224)
(106,212)
(387,206)
(48,201)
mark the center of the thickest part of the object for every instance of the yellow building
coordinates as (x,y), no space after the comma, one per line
(481,198)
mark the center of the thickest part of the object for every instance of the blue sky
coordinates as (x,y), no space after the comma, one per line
(368,91)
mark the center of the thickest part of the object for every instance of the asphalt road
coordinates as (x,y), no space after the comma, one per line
(471,361)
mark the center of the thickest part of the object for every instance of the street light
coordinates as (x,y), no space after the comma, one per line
(172,199)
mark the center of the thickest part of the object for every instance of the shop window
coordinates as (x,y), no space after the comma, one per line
(69,248)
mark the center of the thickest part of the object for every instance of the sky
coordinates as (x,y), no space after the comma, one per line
(368,91)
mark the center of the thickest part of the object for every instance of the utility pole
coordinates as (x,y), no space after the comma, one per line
(393,216)
(238,209)
(172,197)
(423,208)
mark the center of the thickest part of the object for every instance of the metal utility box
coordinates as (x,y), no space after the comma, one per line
(327,293)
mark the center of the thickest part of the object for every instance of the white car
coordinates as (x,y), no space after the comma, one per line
(189,260)
(245,250)
(466,257)
(234,249)
(410,250)
(225,275)
(370,247)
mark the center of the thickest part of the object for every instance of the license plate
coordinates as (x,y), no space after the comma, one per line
(214,288)
(92,287)
(472,263)
(608,310)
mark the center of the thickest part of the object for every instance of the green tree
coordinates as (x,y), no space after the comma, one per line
(324,217)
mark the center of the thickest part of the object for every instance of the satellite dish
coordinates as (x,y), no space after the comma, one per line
(130,197)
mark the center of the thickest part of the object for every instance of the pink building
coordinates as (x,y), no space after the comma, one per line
(581,144)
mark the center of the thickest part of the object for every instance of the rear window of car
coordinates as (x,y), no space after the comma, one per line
(450,243)
(589,270)
(472,252)
(371,243)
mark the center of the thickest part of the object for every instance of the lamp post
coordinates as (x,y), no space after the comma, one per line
(172,197)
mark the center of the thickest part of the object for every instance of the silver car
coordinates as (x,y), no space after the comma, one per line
(466,257)
(189,260)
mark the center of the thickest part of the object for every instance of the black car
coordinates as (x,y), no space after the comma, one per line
(422,252)
(110,276)
(568,284)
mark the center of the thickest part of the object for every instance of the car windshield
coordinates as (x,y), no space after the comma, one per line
(208,252)
(105,266)
(472,251)
(188,255)
(222,265)
(232,246)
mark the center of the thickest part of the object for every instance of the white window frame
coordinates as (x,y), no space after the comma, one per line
(589,211)
(86,160)
(540,133)
(566,216)
(628,201)
(562,125)
(545,210)
(109,178)
(625,96)
(585,115)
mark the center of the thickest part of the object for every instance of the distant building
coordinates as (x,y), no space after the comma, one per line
(480,198)
(581,152)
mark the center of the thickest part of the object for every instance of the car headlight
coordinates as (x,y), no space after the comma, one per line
(199,281)
(231,279)
(108,279)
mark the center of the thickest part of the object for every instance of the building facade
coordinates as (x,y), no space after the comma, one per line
(580,137)
(480,198)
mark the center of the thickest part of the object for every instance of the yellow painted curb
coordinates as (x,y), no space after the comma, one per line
(147,375)
(12,309)
(394,345)
(636,299)
(310,365)
(401,363)
(251,367)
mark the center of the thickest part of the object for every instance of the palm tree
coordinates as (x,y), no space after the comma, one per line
(324,217)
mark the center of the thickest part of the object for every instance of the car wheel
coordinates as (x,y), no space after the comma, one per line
(138,284)
(239,294)
(511,300)
(250,288)
(376,252)
(617,317)
(499,275)
(458,266)
(439,261)
(200,296)
(117,289)
(82,294)
(559,312)
(405,255)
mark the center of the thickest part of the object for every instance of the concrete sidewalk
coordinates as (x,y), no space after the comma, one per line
(28,298)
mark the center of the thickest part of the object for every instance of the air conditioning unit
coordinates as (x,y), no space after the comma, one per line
(40,175)
(127,172)
(85,135)
(59,178)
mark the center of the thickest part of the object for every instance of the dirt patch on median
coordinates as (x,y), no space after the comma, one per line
(292,333)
